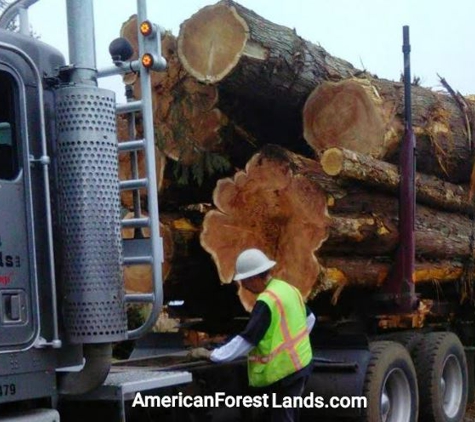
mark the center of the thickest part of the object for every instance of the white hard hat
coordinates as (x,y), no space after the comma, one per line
(250,263)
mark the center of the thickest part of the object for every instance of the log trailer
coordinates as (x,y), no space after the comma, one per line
(62,301)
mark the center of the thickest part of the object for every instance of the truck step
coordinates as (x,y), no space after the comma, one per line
(133,184)
(139,298)
(36,415)
(134,145)
(136,222)
(138,260)
(129,107)
(123,384)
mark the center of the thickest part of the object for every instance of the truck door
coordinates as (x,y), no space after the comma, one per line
(19,319)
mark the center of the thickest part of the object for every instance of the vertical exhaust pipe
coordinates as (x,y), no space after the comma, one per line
(89,203)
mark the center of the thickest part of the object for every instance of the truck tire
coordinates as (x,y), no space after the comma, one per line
(390,384)
(409,339)
(442,375)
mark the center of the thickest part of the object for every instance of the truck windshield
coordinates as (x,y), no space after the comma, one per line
(8,145)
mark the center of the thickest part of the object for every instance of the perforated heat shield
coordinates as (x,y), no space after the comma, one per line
(89,204)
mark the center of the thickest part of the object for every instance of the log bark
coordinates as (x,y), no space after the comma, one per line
(343,271)
(273,205)
(254,58)
(439,235)
(367,115)
(430,190)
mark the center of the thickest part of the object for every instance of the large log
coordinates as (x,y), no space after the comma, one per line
(273,205)
(343,271)
(206,128)
(438,235)
(255,58)
(366,115)
(430,190)
(279,203)
(189,126)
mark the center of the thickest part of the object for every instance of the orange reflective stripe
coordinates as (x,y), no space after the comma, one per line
(300,297)
(289,343)
(267,358)
(294,341)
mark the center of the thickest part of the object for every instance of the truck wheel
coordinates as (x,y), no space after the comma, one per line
(390,384)
(409,339)
(442,377)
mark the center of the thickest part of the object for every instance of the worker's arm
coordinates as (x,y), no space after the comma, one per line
(242,344)
(237,347)
(258,324)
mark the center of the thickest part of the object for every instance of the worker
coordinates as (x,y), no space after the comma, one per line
(276,337)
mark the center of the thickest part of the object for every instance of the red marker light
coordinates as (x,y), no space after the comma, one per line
(147,60)
(146,28)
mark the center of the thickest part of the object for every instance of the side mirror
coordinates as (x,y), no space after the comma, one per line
(120,50)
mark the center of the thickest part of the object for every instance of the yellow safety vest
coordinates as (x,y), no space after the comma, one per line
(285,347)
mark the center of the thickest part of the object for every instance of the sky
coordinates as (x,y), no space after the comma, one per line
(367,33)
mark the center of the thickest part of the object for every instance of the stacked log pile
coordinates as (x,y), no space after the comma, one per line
(300,148)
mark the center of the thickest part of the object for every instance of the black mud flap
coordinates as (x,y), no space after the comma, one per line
(336,385)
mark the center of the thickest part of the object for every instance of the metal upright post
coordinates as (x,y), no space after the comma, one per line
(407,197)
(82,52)
(149,136)
(399,288)
(24,21)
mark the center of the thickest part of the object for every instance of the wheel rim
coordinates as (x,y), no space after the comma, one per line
(396,397)
(451,386)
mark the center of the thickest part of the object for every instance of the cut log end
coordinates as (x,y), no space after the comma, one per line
(212,41)
(247,298)
(332,161)
(344,114)
(274,206)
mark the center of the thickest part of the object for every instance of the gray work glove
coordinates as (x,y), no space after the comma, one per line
(199,353)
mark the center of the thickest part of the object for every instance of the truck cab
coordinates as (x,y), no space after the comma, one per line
(25,289)
(62,300)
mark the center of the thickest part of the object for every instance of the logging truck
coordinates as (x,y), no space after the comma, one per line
(62,303)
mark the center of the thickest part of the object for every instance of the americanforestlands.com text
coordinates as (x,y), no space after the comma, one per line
(218,399)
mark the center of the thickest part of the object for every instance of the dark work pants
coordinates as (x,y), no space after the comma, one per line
(284,388)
